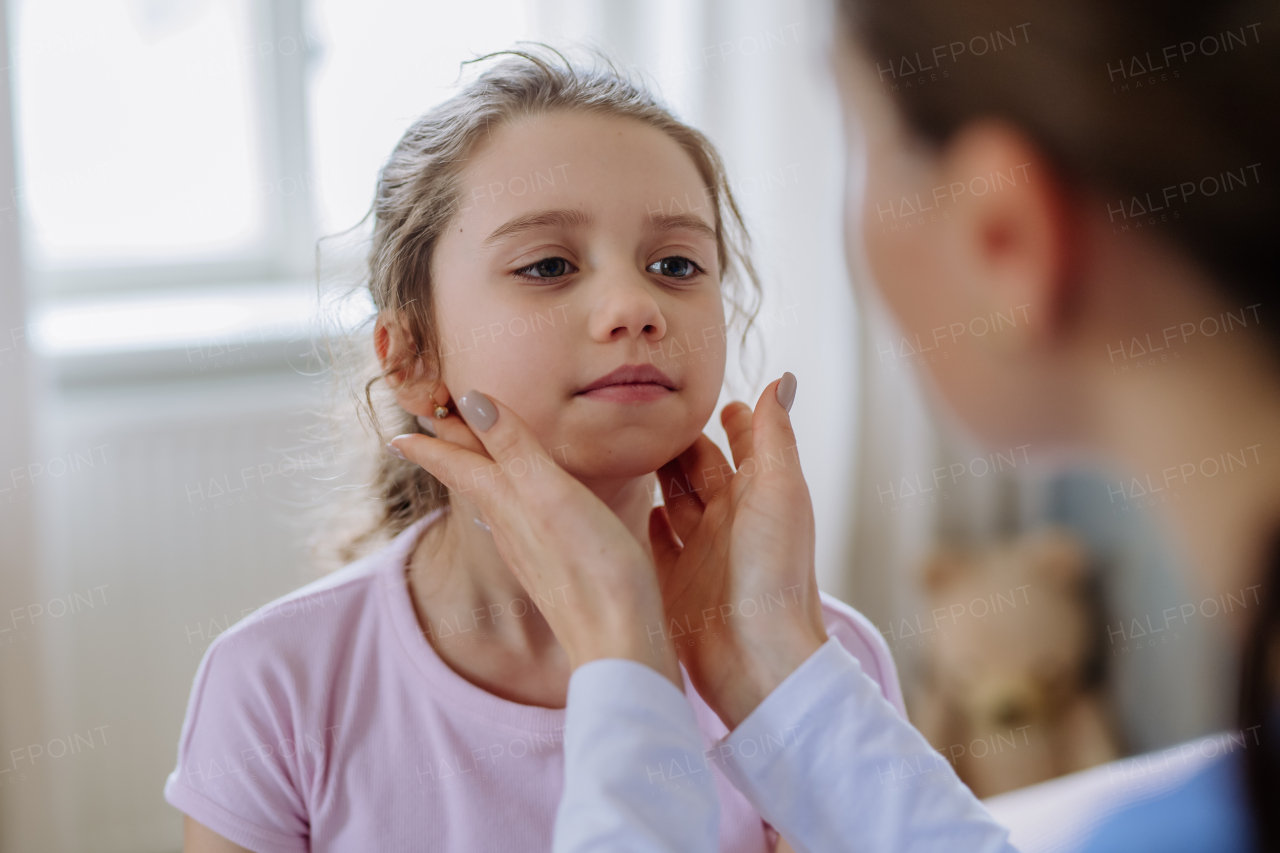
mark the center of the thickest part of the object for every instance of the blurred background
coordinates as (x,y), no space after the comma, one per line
(167,171)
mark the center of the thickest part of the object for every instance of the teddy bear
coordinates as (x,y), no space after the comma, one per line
(1012,689)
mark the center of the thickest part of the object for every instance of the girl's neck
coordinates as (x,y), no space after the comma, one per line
(460,583)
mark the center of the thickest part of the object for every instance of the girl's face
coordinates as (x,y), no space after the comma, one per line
(579,284)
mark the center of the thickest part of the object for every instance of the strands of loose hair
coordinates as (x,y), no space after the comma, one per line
(417,196)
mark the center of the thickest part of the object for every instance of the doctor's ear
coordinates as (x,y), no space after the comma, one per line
(409,369)
(1013,234)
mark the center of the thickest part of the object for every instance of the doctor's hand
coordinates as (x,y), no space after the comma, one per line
(734,548)
(552,531)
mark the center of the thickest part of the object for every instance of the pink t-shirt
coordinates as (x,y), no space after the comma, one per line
(326,721)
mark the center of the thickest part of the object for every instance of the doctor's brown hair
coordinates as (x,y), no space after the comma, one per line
(1129,97)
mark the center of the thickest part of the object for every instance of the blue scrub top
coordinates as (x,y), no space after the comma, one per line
(1208,812)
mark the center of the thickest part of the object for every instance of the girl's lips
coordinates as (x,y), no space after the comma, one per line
(630,383)
(638,392)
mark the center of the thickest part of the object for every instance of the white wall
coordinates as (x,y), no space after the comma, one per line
(25,822)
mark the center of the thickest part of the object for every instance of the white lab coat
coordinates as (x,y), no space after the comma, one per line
(825,759)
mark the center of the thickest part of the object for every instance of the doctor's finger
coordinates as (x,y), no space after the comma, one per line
(773,440)
(736,419)
(463,471)
(705,468)
(508,439)
(683,506)
(454,429)
(664,543)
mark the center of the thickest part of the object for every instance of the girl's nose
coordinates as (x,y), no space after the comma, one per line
(623,305)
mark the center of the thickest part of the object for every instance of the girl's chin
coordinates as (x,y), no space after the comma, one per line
(597,473)
(594,451)
(615,467)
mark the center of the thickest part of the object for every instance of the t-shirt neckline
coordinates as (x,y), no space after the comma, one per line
(449,688)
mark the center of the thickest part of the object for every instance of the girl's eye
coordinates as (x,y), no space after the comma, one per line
(547,268)
(675,267)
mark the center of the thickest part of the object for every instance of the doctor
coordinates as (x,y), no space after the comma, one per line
(1105,226)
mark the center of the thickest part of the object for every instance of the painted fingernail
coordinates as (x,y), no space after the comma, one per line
(425,423)
(787,390)
(395,451)
(482,525)
(478,410)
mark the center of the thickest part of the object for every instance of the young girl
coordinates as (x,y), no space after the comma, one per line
(556,237)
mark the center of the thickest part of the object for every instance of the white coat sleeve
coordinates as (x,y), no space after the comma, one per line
(825,759)
(833,766)
(624,726)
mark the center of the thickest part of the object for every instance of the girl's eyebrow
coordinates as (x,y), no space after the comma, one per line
(540,219)
(677,222)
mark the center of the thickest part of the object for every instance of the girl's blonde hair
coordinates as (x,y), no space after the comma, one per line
(417,196)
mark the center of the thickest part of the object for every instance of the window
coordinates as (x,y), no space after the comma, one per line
(384,64)
(163,142)
(174,153)
(144,141)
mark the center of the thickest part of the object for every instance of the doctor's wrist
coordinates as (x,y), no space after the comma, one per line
(662,661)
(766,663)
(626,639)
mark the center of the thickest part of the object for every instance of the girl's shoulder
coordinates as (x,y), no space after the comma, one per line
(864,641)
(287,653)
(306,621)
(261,720)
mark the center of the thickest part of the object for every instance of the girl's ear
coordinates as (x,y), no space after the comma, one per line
(409,373)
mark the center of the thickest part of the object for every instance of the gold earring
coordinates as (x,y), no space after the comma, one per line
(442,409)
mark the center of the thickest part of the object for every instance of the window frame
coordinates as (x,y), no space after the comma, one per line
(287,252)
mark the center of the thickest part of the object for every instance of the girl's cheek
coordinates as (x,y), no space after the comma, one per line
(701,350)
(506,341)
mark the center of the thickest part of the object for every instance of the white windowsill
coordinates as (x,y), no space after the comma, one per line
(188,332)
